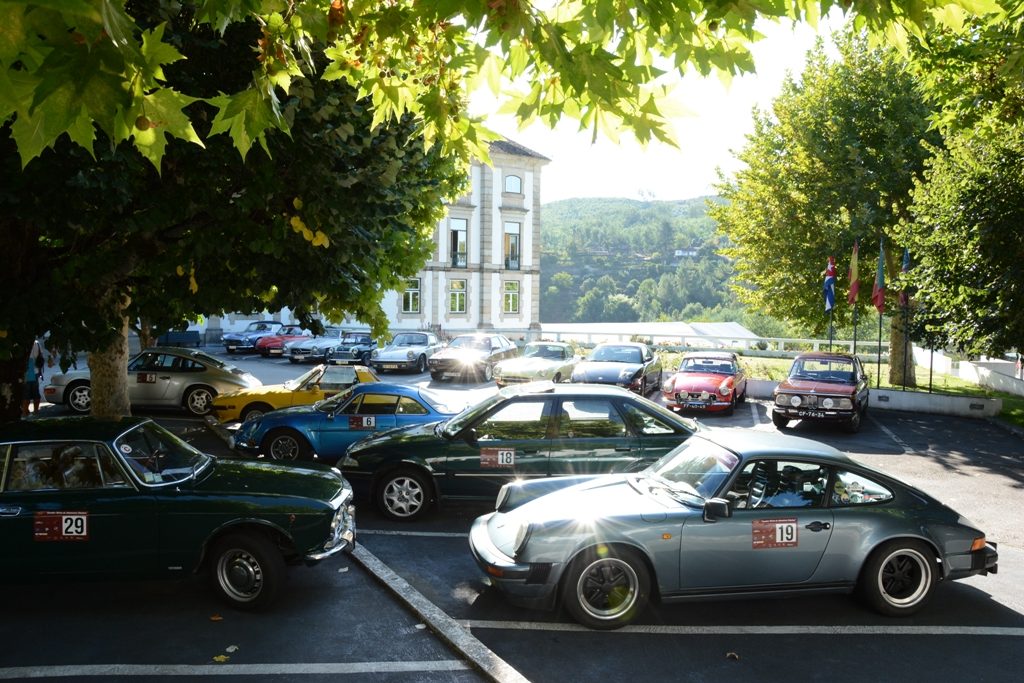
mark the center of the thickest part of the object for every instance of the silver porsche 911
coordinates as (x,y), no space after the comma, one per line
(728,513)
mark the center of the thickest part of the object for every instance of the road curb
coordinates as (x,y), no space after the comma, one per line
(1006,426)
(449,630)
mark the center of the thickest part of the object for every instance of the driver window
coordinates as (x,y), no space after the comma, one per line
(590,418)
(779,484)
(514,421)
(645,423)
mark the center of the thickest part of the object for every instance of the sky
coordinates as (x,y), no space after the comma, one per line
(718,120)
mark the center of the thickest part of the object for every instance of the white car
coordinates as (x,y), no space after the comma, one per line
(407,351)
(315,349)
(541,360)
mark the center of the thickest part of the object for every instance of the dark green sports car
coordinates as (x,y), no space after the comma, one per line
(527,431)
(125,497)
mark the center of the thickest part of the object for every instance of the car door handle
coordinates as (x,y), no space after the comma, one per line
(9,510)
(625,449)
(818,526)
(165,377)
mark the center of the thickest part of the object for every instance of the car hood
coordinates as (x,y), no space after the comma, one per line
(604,370)
(596,499)
(401,437)
(398,352)
(245,335)
(247,477)
(529,365)
(804,386)
(267,391)
(461,353)
(698,381)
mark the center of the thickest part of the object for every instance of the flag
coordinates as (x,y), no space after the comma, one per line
(878,289)
(904,297)
(830,283)
(851,298)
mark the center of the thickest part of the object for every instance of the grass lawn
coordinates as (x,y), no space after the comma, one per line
(776,369)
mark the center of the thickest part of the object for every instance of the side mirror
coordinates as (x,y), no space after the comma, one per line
(470,437)
(716,508)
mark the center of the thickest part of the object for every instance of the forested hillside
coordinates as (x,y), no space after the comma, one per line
(621,260)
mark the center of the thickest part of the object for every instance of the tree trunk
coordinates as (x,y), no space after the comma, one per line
(108,369)
(12,386)
(901,354)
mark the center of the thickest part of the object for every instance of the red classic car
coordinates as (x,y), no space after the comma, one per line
(706,380)
(273,344)
(827,387)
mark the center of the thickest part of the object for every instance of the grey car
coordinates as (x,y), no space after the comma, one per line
(161,377)
(728,513)
(407,351)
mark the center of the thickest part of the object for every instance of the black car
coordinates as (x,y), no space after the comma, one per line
(353,347)
(630,365)
(471,355)
(526,431)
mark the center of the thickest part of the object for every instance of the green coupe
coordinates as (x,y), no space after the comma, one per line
(125,497)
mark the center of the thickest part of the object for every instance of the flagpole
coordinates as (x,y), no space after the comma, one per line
(830,314)
(855,330)
(878,382)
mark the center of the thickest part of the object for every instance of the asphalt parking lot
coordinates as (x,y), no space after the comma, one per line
(413,606)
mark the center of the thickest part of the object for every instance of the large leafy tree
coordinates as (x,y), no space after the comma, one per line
(331,219)
(967,243)
(834,162)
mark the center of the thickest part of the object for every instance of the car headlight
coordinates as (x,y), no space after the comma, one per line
(725,388)
(626,375)
(667,386)
(522,536)
(841,403)
(497,371)
(794,401)
(827,402)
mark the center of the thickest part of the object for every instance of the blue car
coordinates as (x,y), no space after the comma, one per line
(325,429)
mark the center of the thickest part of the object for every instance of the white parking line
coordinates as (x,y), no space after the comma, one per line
(1009,632)
(754,412)
(319,668)
(892,435)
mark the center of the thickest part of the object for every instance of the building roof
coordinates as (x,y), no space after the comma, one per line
(515,149)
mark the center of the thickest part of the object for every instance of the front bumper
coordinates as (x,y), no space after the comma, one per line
(817,414)
(388,364)
(239,345)
(681,401)
(344,537)
(526,585)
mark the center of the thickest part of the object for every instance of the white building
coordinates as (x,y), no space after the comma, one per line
(484,272)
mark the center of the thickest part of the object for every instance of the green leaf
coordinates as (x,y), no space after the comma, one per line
(157,116)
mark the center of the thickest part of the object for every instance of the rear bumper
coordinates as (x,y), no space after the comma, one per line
(983,562)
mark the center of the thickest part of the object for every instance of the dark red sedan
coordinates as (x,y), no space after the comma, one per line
(709,381)
(825,387)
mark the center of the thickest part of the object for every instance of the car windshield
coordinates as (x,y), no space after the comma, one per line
(717,366)
(543,351)
(332,332)
(824,370)
(355,339)
(409,340)
(469,343)
(469,415)
(329,405)
(156,456)
(697,467)
(301,380)
(617,354)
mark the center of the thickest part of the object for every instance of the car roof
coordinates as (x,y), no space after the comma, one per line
(78,428)
(749,443)
(572,389)
(825,355)
(385,388)
(725,355)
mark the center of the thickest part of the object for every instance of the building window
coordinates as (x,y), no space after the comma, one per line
(459,249)
(511,296)
(512,245)
(411,296)
(513,184)
(456,296)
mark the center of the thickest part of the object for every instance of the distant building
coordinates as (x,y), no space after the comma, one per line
(485,270)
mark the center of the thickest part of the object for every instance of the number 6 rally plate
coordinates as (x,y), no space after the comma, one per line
(775,533)
(61,526)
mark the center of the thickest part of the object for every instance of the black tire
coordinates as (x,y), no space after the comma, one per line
(742,398)
(199,400)
(421,365)
(643,386)
(606,587)
(780,421)
(230,351)
(365,358)
(285,445)
(898,578)
(247,570)
(437,376)
(488,372)
(78,397)
(557,378)
(732,405)
(293,360)
(853,426)
(404,495)
(254,410)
